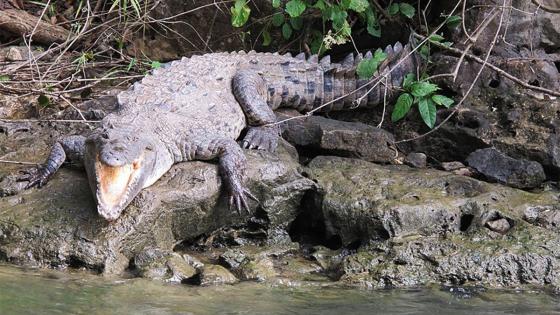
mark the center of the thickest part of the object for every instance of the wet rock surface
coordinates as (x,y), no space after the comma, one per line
(504,169)
(57,225)
(415,227)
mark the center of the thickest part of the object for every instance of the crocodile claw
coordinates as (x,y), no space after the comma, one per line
(38,177)
(261,138)
(238,200)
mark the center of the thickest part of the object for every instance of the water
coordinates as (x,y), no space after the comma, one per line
(51,292)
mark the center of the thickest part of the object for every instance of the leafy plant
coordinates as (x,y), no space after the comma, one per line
(404,9)
(240,13)
(423,93)
(367,67)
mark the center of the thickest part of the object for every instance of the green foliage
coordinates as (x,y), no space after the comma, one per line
(240,13)
(43,100)
(155,65)
(83,59)
(4,78)
(295,8)
(286,31)
(453,21)
(404,8)
(367,67)
(124,5)
(423,93)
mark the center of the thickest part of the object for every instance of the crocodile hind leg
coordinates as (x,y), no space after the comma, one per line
(250,91)
(232,165)
(71,147)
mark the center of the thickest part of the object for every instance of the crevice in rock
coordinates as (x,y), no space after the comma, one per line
(466,222)
(76,262)
(309,226)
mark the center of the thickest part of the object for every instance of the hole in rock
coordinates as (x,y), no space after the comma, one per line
(534,83)
(494,83)
(465,222)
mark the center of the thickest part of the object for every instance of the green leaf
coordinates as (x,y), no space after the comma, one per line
(297,23)
(321,5)
(407,10)
(155,65)
(425,52)
(358,5)
(43,100)
(442,100)
(278,19)
(393,9)
(436,38)
(402,107)
(338,17)
(286,31)
(295,7)
(421,89)
(267,39)
(453,21)
(4,78)
(373,27)
(131,64)
(408,79)
(367,67)
(276,3)
(240,13)
(427,110)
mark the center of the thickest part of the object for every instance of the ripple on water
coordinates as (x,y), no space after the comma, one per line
(51,292)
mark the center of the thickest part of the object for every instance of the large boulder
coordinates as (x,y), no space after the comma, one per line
(417,226)
(57,225)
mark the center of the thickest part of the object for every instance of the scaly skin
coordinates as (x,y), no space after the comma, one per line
(195,109)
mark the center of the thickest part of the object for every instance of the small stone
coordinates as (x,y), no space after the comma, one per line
(181,270)
(501,226)
(452,166)
(15,54)
(216,275)
(415,159)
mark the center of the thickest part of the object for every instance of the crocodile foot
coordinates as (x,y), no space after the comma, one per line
(37,176)
(238,199)
(261,138)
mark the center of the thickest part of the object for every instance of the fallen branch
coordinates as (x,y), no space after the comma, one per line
(22,23)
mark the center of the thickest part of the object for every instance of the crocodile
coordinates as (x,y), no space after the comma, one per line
(196,108)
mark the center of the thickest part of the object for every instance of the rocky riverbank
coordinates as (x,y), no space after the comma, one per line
(329,221)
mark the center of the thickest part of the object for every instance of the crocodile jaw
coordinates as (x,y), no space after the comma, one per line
(116,187)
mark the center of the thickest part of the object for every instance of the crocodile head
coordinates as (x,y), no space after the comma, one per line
(119,165)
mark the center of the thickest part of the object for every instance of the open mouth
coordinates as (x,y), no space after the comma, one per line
(114,184)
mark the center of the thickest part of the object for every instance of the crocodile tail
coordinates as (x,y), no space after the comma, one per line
(340,79)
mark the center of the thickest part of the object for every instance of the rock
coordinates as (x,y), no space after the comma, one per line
(257,267)
(547,217)
(329,136)
(417,160)
(154,263)
(216,275)
(499,167)
(452,166)
(501,226)
(415,227)
(57,225)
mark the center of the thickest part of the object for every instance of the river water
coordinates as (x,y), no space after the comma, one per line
(53,292)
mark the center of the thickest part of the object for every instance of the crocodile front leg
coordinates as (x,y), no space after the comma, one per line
(232,165)
(71,147)
(250,91)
